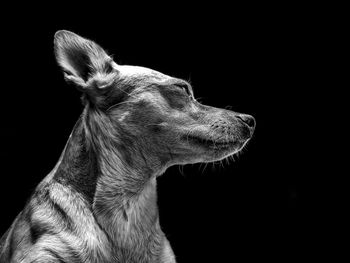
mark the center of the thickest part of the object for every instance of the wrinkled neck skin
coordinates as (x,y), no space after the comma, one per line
(122,190)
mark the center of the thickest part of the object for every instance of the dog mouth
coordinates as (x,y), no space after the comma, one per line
(213,144)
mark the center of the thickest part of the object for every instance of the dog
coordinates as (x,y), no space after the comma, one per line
(99,203)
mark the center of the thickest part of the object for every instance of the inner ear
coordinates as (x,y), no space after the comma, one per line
(80,64)
(81,59)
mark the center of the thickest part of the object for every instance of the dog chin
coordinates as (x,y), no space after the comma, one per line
(217,153)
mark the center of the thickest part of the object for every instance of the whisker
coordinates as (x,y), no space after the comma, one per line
(129,94)
(199,99)
(115,105)
(181,169)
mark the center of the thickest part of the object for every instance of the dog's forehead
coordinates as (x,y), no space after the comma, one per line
(127,71)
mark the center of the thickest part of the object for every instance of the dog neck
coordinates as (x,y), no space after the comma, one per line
(123,183)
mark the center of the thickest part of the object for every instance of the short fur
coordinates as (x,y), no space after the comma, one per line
(99,203)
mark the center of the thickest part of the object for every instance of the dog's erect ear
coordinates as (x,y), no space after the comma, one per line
(84,62)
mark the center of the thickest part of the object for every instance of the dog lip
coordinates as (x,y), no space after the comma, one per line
(209,142)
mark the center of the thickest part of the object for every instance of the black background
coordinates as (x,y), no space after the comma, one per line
(256,60)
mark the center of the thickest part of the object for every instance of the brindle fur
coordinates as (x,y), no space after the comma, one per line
(99,203)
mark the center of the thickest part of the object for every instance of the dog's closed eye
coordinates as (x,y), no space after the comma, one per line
(185,88)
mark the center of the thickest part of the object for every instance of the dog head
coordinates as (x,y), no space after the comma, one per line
(149,112)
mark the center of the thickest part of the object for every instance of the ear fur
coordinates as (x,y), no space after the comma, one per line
(84,62)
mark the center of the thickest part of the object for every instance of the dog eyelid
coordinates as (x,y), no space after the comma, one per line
(186,89)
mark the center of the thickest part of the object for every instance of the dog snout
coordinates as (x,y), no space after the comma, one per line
(248,120)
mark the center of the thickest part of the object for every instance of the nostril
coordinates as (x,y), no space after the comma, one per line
(247,119)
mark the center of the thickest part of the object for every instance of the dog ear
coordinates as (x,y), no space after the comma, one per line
(84,62)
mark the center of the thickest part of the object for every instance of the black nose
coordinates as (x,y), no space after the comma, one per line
(247,119)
